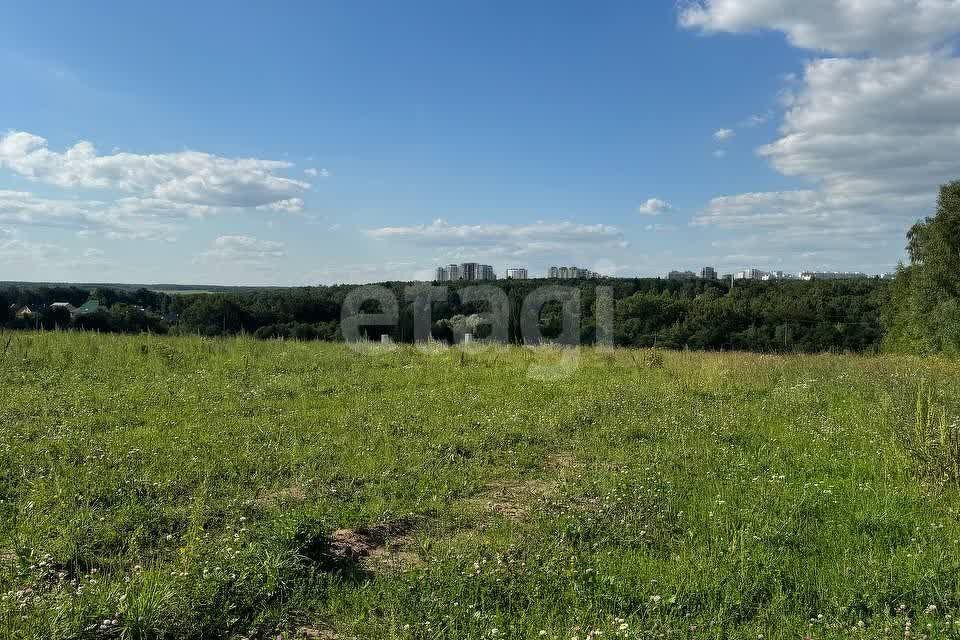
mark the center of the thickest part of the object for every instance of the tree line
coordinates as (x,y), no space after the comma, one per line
(773,316)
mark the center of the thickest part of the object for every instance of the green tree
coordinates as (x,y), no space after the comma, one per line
(924,311)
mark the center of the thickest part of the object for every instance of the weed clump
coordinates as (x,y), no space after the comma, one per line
(649,359)
(934,441)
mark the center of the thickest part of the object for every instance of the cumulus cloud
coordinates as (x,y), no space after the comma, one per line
(189,177)
(313,172)
(880,127)
(162,188)
(837,26)
(505,239)
(873,137)
(721,135)
(654,207)
(243,249)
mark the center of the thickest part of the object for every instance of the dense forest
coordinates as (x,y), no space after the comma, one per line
(772,316)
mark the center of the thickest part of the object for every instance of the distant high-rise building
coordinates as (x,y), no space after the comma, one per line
(517,273)
(708,273)
(750,274)
(570,273)
(681,275)
(469,271)
(465,271)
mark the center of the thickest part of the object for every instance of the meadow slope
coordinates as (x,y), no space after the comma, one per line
(183,487)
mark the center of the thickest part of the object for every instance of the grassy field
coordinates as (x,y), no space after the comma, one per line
(159,487)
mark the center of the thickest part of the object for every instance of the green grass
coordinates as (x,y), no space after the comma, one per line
(179,487)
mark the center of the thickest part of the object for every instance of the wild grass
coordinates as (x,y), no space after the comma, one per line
(190,488)
(934,441)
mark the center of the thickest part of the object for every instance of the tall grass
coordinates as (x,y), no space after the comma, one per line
(934,441)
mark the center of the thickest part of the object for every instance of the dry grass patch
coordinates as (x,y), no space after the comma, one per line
(516,499)
(276,498)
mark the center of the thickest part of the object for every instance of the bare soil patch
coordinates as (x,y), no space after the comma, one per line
(377,549)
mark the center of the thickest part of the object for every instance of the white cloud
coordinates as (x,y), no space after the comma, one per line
(886,128)
(872,137)
(22,253)
(722,135)
(792,211)
(503,239)
(189,177)
(243,249)
(128,218)
(838,26)
(801,223)
(720,153)
(291,205)
(654,207)
(313,172)
(876,138)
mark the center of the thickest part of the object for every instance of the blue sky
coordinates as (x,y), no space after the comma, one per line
(356,141)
